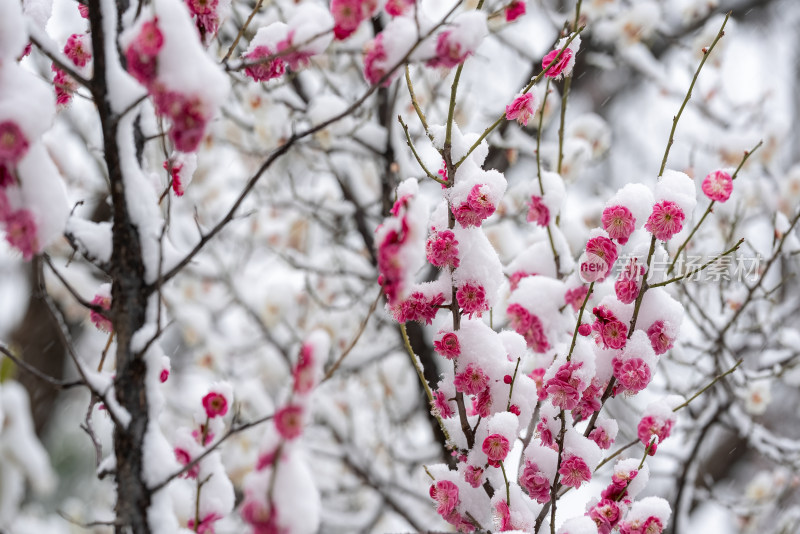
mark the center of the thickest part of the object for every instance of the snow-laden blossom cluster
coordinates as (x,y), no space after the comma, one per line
(33,204)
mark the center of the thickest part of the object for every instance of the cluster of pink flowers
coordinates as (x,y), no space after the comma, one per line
(442,249)
(528,326)
(207,17)
(446,495)
(563,388)
(609,332)
(349,14)
(390,249)
(590,403)
(19,225)
(651,425)
(417,307)
(535,482)
(260,509)
(375,61)
(79,49)
(142,54)
(188,113)
(216,404)
(263,67)
(476,208)
(632,375)
(606,514)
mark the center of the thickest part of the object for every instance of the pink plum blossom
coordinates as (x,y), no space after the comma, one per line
(632,375)
(64,86)
(718,186)
(445,493)
(557,68)
(535,482)
(475,208)
(184,458)
(665,221)
(442,249)
(141,54)
(13,143)
(78,49)
(515,278)
(305,370)
(441,405)
(471,380)
(99,320)
(21,232)
(289,421)
(628,283)
(575,297)
(375,59)
(528,326)
(601,438)
(206,524)
(659,338)
(515,10)
(496,447)
(606,514)
(562,389)
(651,426)
(522,108)
(471,298)
(261,70)
(449,52)
(348,15)
(395,8)
(215,404)
(619,222)
(609,331)
(574,471)
(482,405)
(417,307)
(473,476)
(448,345)
(538,211)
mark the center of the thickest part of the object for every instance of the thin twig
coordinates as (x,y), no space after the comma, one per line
(352,344)
(54,382)
(676,118)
